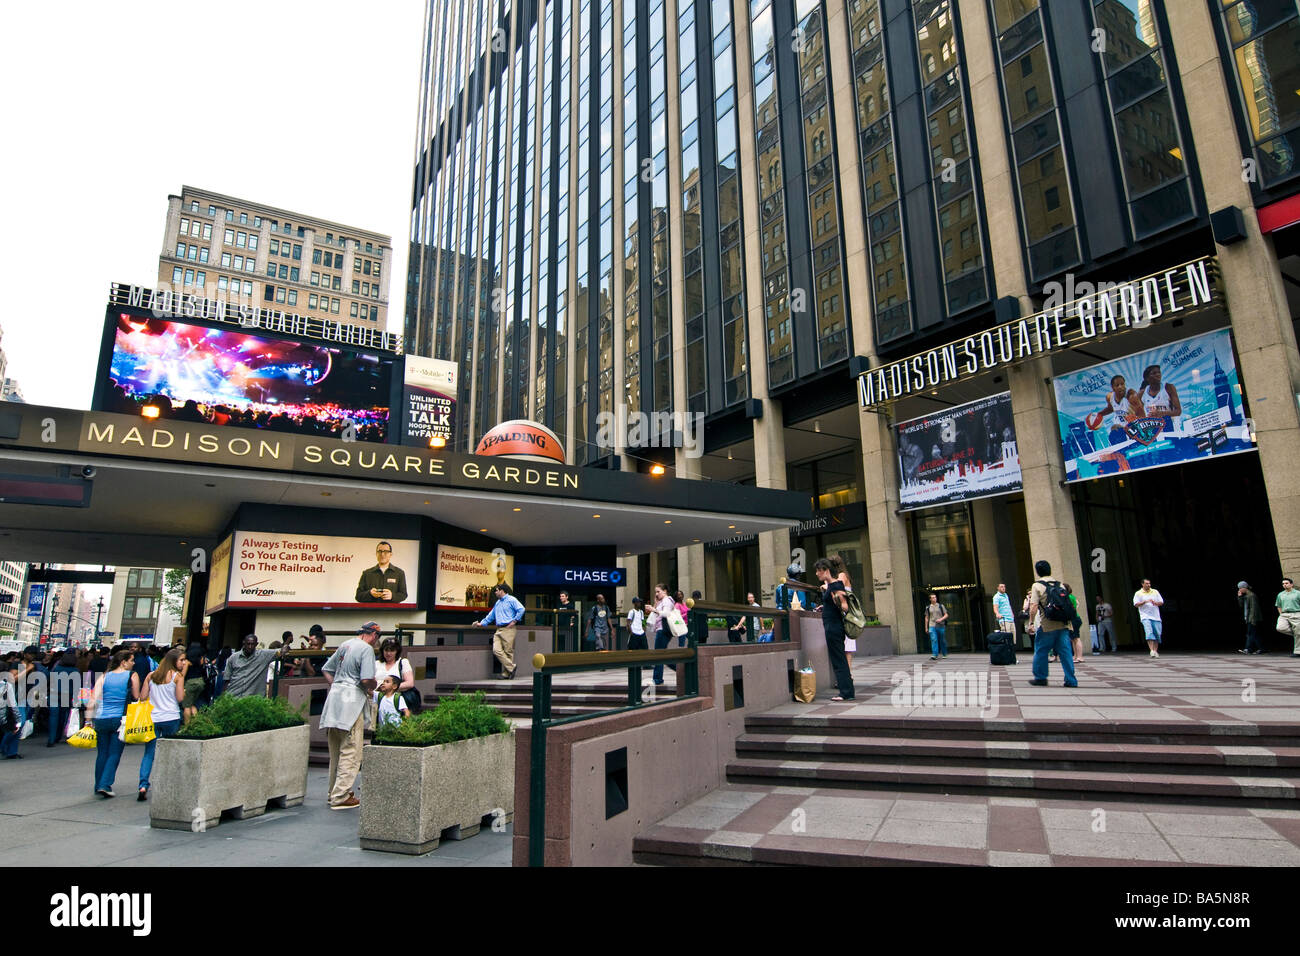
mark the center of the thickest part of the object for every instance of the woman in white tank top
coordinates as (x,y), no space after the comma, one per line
(164,689)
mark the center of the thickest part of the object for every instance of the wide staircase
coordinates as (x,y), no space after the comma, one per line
(1095,763)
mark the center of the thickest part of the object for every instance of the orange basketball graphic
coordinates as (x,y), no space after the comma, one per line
(522,439)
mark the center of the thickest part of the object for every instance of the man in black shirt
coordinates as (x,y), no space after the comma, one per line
(384,583)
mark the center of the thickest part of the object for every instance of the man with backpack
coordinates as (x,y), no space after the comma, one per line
(1050,617)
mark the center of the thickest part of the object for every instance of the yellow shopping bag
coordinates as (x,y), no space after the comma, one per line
(84,738)
(137,726)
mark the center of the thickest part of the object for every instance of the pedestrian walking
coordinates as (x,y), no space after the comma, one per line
(196,681)
(1105,617)
(350,672)
(64,694)
(112,694)
(1148,602)
(636,626)
(936,622)
(505,614)
(566,621)
(834,604)
(164,689)
(1050,615)
(1288,610)
(659,625)
(1248,601)
(11,716)
(1002,611)
(598,631)
(1076,627)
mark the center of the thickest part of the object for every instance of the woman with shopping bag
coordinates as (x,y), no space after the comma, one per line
(164,689)
(108,705)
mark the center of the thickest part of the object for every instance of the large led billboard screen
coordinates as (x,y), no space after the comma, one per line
(226,377)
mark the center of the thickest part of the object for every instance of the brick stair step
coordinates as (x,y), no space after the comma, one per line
(1014,782)
(1116,756)
(1194,733)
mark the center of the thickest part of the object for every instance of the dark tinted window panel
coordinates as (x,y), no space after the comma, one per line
(1162,209)
(1136,81)
(1277,157)
(1252,17)
(1054,254)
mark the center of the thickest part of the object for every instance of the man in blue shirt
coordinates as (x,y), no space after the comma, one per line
(505,614)
(1002,608)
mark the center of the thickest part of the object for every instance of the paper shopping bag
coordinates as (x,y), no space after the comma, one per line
(805,686)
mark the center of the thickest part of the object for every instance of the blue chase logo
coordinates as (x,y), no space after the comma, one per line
(1144,430)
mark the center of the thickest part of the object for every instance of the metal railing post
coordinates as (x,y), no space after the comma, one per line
(537,770)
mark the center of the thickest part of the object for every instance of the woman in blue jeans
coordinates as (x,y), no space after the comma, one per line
(112,694)
(164,689)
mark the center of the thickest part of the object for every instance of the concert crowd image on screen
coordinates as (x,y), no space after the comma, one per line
(223,377)
(965,452)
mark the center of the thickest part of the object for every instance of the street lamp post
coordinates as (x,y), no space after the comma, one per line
(99,611)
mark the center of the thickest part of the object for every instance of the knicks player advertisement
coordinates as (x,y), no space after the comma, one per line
(272,569)
(958,454)
(1179,402)
(429,399)
(467,578)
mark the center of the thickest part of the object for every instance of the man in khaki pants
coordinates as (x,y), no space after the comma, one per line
(351,675)
(505,614)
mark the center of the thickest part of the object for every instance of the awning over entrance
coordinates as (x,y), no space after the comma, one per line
(160,489)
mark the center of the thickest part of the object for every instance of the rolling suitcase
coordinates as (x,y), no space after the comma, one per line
(1002,647)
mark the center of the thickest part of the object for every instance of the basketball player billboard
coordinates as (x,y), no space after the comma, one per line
(1175,403)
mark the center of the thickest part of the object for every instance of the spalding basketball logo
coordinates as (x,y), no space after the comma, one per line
(522,439)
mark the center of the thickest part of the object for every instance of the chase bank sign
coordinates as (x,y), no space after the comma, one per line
(558,575)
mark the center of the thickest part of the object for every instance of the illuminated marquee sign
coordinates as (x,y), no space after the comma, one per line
(165,303)
(1110,309)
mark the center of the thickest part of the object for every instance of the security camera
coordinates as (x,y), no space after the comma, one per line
(88,471)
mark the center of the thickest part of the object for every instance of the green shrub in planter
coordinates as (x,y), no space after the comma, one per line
(459,717)
(717,623)
(229,716)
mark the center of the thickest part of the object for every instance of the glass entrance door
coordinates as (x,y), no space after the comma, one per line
(943,549)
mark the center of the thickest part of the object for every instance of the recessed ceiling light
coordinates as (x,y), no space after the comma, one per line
(517,509)
(668,521)
(326,494)
(731,526)
(426,501)
(696,540)
(482,530)
(595,516)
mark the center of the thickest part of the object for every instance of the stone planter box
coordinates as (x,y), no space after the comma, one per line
(877,641)
(413,797)
(198,780)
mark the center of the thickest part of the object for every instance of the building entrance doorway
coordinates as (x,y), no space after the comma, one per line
(1195,530)
(943,549)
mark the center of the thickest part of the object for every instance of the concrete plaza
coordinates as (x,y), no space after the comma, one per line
(50,817)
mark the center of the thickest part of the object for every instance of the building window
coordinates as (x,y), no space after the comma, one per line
(230,237)
(366,267)
(284,271)
(257,221)
(200,278)
(243,219)
(275,247)
(194,205)
(180,250)
(241,240)
(293,297)
(279,294)
(356,286)
(203,254)
(185,227)
(212,210)
(311,301)
(176,275)
(193,253)
(207,230)
(334,306)
(315,278)
(315,257)
(354,310)
(293,274)
(252,241)
(230,215)
(297,251)
(356,265)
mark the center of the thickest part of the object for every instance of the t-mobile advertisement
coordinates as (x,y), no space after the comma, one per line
(958,454)
(429,399)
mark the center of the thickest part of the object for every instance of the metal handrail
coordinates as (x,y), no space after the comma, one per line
(547,665)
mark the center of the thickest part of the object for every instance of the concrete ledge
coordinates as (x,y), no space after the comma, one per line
(199,780)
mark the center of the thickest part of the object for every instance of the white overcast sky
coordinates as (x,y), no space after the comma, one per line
(109,107)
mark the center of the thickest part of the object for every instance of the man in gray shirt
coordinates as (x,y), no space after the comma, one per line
(351,675)
(245,673)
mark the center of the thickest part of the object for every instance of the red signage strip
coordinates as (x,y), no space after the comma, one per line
(1279,215)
